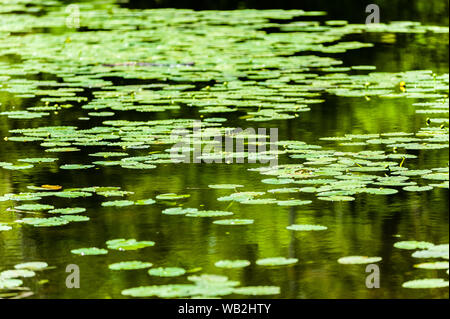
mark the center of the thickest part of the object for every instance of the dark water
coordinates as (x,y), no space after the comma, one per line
(367,226)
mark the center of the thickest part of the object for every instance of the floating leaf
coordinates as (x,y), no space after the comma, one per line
(178,211)
(128,244)
(232,222)
(6,283)
(257,290)
(34,207)
(118,203)
(33,265)
(145,202)
(167,272)
(4,227)
(44,222)
(413,245)
(354,260)
(433,265)
(417,188)
(172,196)
(426,283)
(25,273)
(225,186)
(208,213)
(305,227)
(276,261)
(75,166)
(92,251)
(69,210)
(163,291)
(130,265)
(232,263)
(293,202)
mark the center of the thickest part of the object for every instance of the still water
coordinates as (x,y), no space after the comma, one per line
(367,226)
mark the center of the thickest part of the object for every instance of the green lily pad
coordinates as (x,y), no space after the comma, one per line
(257,290)
(417,188)
(337,198)
(178,211)
(163,291)
(172,196)
(75,166)
(118,203)
(44,222)
(69,210)
(232,222)
(305,227)
(167,272)
(208,213)
(128,244)
(24,273)
(276,261)
(413,245)
(232,264)
(209,280)
(4,227)
(92,251)
(143,202)
(34,207)
(433,265)
(293,202)
(6,283)
(225,186)
(33,265)
(75,218)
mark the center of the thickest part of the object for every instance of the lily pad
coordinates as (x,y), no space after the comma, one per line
(34,207)
(167,272)
(257,290)
(128,244)
(208,213)
(276,261)
(225,186)
(172,196)
(306,227)
(33,265)
(356,260)
(130,265)
(69,210)
(233,222)
(118,203)
(230,264)
(426,283)
(413,245)
(433,265)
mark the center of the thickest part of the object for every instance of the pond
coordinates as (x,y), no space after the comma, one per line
(114,122)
